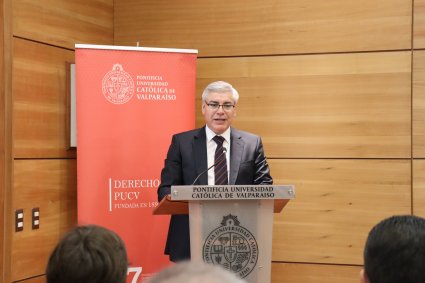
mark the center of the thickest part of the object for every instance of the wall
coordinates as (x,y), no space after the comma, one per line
(43,173)
(5,134)
(334,89)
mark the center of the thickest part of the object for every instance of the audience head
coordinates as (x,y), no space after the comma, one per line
(195,272)
(88,254)
(395,251)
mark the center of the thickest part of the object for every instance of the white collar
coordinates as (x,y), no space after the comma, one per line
(210,134)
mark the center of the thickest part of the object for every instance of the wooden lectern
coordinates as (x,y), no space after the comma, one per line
(230,225)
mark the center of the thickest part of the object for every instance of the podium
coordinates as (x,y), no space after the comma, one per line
(230,225)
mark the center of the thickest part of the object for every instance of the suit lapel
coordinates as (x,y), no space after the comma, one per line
(200,155)
(236,149)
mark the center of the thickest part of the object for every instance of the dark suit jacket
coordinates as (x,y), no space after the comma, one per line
(187,158)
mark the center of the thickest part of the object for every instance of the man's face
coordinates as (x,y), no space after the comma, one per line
(218,120)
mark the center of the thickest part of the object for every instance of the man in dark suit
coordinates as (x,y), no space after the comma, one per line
(192,152)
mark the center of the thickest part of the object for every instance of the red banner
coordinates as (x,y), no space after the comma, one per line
(129,103)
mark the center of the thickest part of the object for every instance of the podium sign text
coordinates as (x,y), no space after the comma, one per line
(232,192)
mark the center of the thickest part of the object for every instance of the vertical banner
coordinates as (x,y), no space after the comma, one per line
(130,101)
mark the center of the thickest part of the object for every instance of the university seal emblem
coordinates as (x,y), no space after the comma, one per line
(117,85)
(231,246)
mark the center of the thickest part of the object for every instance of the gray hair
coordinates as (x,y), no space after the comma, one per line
(220,87)
(195,272)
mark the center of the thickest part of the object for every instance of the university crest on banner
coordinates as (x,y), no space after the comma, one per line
(128,99)
(117,85)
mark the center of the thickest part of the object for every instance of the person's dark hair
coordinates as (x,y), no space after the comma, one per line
(88,254)
(395,251)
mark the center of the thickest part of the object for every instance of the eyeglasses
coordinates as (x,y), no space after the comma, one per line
(216,106)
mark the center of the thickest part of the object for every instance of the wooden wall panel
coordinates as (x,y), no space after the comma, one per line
(339,105)
(223,28)
(51,186)
(418,108)
(4,184)
(314,273)
(64,23)
(337,203)
(40,100)
(352,105)
(6,155)
(419,24)
(419,187)
(39,279)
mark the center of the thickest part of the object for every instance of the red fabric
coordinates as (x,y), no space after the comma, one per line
(129,103)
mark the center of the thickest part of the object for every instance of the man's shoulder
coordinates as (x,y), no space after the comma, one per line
(244,134)
(189,134)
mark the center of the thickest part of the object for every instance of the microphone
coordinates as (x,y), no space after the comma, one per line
(208,169)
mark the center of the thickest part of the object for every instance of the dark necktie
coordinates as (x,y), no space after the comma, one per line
(220,168)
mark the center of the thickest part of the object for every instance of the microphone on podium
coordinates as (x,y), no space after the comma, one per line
(205,171)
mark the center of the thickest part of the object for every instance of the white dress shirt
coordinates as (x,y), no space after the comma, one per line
(211,146)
